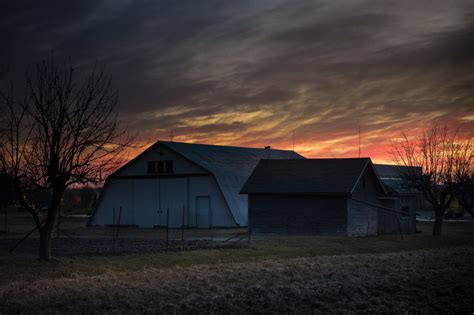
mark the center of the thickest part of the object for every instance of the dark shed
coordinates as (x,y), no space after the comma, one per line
(319,196)
(409,200)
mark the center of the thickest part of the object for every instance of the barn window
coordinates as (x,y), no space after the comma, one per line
(151,167)
(160,167)
(169,166)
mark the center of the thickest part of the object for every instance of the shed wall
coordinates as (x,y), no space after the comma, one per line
(414,204)
(390,222)
(297,214)
(362,219)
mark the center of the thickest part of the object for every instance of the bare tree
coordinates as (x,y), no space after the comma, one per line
(445,159)
(61,131)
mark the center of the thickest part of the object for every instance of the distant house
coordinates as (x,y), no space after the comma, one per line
(410,200)
(321,196)
(197,184)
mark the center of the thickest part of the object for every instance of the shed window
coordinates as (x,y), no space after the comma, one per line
(160,167)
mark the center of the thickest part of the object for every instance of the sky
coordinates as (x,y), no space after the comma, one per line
(255,73)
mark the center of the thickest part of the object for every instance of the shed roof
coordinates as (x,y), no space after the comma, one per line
(309,176)
(231,167)
(394,171)
(393,177)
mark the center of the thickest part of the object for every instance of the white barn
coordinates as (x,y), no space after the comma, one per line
(197,184)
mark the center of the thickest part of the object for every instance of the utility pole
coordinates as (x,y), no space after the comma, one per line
(359,141)
(171,135)
(269,149)
(293,140)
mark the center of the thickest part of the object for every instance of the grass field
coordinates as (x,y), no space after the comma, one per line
(22,269)
(25,267)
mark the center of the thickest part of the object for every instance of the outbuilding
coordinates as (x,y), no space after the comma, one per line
(179,184)
(321,196)
(410,199)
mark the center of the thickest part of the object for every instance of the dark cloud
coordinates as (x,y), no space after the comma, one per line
(251,71)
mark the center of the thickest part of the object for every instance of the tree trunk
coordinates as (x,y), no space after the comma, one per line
(438,223)
(45,245)
(47,229)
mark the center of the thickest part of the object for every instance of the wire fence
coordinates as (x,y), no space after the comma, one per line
(71,236)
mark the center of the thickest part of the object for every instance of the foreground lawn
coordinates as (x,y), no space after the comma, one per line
(20,267)
(422,281)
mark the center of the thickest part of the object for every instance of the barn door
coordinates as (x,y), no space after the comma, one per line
(173,197)
(203,211)
(144,201)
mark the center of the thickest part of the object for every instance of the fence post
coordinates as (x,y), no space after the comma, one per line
(212,232)
(119,221)
(182,226)
(113,231)
(167,225)
(249,235)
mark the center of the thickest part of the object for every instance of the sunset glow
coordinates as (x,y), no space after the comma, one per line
(250,73)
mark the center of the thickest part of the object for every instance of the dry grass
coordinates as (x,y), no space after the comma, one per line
(24,266)
(309,273)
(435,280)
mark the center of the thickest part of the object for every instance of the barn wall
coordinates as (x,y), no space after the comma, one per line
(220,212)
(146,205)
(297,214)
(145,202)
(119,193)
(172,199)
(160,153)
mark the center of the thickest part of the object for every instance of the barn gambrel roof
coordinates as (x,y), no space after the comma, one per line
(231,166)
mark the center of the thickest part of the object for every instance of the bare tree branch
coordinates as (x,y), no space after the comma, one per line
(445,160)
(61,132)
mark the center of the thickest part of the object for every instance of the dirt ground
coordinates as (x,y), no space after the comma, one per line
(434,280)
(72,238)
(73,247)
